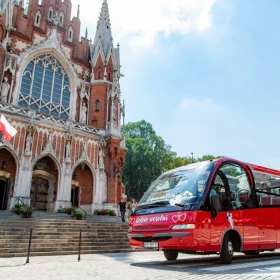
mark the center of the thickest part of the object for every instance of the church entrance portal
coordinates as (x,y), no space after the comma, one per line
(39,193)
(75,196)
(4,193)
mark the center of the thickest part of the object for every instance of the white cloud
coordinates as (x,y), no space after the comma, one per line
(142,20)
(206,105)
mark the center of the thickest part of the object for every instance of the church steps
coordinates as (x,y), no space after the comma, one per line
(58,253)
(66,245)
(62,241)
(61,237)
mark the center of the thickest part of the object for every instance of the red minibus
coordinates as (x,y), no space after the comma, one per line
(219,206)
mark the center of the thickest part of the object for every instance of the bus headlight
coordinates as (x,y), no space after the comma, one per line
(130,229)
(184,226)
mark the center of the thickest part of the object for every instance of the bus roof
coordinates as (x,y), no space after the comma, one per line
(253,167)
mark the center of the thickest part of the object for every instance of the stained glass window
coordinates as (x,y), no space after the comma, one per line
(45,87)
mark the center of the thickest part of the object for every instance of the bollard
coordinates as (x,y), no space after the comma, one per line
(80,239)
(29,246)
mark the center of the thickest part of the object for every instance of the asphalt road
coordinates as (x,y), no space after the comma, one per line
(141,265)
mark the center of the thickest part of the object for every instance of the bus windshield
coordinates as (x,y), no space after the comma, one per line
(182,186)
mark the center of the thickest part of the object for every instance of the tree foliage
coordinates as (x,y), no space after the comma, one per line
(147,157)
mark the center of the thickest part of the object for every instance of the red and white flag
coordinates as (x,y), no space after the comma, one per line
(7,129)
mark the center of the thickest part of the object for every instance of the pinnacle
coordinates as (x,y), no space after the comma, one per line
(103,31)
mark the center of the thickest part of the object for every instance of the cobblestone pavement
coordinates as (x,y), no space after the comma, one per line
(140,265)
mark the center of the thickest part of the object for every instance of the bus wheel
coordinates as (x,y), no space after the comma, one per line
(227,250)
(170,255)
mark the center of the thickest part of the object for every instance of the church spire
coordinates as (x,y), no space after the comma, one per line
(103,31)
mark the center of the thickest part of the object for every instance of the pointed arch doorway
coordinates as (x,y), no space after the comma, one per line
(39,192)
(43,186)
(75,194)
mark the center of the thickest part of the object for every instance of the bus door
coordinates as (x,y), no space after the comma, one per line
(219,223)
(231,185)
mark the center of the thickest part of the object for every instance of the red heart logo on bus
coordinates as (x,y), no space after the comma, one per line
(177,218)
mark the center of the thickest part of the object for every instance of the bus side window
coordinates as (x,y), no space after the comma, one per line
(267,189)
(241,196)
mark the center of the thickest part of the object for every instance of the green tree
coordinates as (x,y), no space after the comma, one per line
(147,157)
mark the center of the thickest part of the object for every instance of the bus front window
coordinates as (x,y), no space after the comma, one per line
(183,186)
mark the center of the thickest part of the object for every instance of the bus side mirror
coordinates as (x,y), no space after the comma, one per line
(215,205)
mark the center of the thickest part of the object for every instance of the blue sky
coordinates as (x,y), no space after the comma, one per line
(204,73)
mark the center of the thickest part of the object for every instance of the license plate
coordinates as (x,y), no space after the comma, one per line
(151,244)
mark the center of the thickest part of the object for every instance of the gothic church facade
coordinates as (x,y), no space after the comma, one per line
(62,94)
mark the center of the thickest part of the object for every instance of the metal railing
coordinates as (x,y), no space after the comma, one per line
(19,200)
(85,213)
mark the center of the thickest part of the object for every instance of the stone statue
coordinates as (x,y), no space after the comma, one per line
(3,6)
(114,111)
(68,150)
(29,141)
(92,76)
(83,118)
(101,157)
(5,87)
(49,147)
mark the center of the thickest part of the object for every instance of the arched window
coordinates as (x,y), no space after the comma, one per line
(97,105)
(70,34)
(45,87)
(38,18)
(61,19)
(99,75)
(109,76)
(50,15)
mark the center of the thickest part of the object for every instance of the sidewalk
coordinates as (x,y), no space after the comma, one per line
(124,266)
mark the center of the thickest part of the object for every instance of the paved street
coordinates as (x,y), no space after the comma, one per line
(142,265)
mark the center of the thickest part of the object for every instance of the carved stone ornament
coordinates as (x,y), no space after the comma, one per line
(48,148)
(67,166)
(5,88)
(101,156)
(102,142)
(27,162)
(84,154)
(41,165)
(84,93)
(31,125)
(28,143)
(68,150)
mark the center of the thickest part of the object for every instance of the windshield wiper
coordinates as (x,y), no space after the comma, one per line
(180,204)
(152,205)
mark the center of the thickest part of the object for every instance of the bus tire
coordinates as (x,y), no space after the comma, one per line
(227,250)
(170,255)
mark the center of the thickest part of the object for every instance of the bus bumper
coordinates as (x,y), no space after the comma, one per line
(179,240)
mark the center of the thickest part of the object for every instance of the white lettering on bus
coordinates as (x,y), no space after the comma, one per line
(159,218)
(152,219)
(141,220)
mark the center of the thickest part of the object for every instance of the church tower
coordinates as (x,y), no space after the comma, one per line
(105,102)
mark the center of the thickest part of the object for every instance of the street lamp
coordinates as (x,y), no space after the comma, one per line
(192,157)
